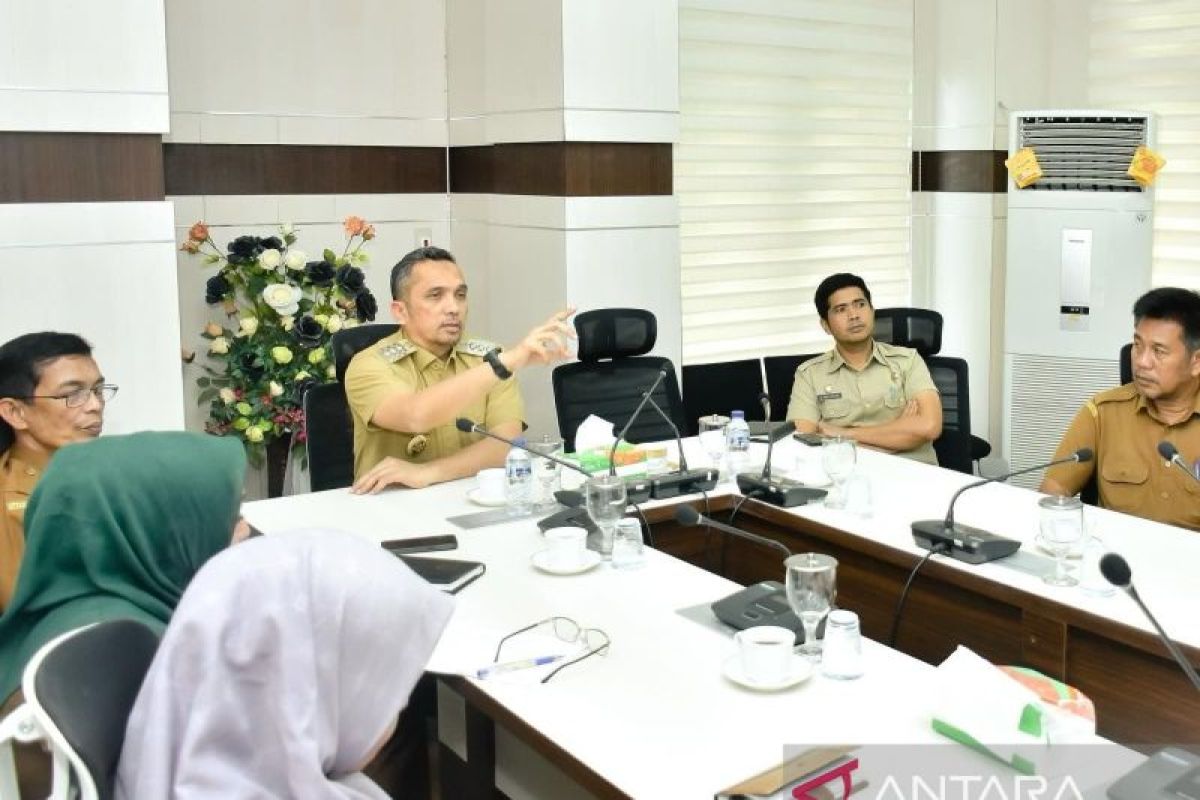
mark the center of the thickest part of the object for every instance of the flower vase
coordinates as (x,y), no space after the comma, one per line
(278,452)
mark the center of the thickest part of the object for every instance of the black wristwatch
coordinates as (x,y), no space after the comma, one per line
(492,357)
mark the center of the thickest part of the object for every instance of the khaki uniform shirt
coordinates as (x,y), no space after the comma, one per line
(827,389)
(1123,431)
(396,363)
(19,472)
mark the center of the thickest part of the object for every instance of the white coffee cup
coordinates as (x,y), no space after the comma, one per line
(489,484)
(766,652)
(565,547)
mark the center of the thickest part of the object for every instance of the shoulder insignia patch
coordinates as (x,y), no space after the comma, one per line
(397,350)
(476,347)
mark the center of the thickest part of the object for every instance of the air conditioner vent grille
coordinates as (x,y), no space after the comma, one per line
(1088,154)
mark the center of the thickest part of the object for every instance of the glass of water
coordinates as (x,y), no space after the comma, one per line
(712,437)
(838,455)
(548,473)
(1061,530)
(606,502)
(628,549)
(811,589)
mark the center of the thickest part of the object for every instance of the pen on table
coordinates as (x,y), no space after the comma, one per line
(513,666)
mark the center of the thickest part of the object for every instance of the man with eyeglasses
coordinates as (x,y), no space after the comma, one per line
(51,394)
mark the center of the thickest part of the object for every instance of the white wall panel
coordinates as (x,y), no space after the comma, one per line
(83,66)
(621,54)
(103,271)
(308,72)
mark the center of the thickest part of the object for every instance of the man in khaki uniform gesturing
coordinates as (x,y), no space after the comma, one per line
(875,393)
(1123,426)
(406,391)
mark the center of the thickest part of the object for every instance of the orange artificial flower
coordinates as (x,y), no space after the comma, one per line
(368,233)
(198,232)
(190,246)
(354,226)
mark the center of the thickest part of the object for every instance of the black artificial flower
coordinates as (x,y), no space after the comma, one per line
(244,249)
(250,365)
(366,306)
(307,332)
(216,289)
(320,273)
(351,280)
(271,243)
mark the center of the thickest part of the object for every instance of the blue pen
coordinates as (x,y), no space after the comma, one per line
(513,666)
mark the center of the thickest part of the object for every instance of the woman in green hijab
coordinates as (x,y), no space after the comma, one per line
(116,528)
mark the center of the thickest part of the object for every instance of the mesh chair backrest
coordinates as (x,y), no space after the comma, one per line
(612,390)
(87,686)
(1126,363)
(614,333)
(781,374)
(347,342)
(954,446)
(330,437)
(918,328)
(722,387)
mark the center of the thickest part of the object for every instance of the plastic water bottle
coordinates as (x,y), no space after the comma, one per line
(518,481)
(737,443)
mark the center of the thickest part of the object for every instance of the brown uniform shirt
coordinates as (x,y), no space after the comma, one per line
(395,362)
(1123,431)
(19,472)
(828,389)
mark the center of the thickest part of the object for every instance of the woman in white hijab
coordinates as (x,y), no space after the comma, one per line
(282,672)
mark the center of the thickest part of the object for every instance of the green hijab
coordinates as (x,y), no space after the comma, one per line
(116,528)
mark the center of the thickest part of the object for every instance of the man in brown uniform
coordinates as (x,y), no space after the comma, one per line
(51,394)
(875,393)
(406,391)
(1123,426)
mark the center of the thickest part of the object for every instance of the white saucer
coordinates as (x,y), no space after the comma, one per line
(590,559)
(492,502)
(801,669)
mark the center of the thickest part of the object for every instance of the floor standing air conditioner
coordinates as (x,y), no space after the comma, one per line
(1078,256)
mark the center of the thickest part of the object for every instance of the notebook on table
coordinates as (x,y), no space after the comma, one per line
(448,574)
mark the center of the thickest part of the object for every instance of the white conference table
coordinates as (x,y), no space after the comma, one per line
(656,718)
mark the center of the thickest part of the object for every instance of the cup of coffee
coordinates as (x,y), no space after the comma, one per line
(489,485)
(766,653)
(565,547)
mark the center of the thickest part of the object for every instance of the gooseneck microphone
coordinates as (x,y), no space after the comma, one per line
(764,400)
(783,493)
(688,517)
(1115,570)
(467,426)
(1171,455)
(612,461)
(974,545)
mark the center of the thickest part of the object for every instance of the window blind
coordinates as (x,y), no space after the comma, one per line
(793,163)
(1145,55)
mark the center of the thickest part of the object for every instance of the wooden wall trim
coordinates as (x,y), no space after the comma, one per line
(79,167)
(959,171)
(208,169)
(563,169)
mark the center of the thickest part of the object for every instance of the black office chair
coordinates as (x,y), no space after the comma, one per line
(781,374)
(1126,363)
(613,373)
(330,437)
(347,342)
(79,691)
(918,328)
(720,388)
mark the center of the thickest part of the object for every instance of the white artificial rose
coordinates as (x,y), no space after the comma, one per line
(219,345)
(335,323)
(301,375)
(331,371)
(227,396)
(254,434)
(249,325)
(287,323)
(295,259)
(275,389)
(287,229)
(283,298)
(270,258)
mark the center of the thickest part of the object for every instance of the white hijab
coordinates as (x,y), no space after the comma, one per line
(286,661)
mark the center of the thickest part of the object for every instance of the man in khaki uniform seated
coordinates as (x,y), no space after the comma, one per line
(1123,426)
(875,393)
(406,391)
(51,394)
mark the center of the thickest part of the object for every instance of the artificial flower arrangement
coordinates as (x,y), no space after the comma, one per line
(282,311)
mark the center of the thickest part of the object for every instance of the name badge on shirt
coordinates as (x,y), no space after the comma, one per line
(15,505)
(821,398)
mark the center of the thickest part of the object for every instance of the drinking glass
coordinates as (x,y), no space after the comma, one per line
(547,472)
(712,437)
(1061,530)
(838,455)
(606,502)
(811,589)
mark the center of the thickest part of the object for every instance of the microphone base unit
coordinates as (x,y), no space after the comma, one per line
(972,545)
(568,518)
(783,493)
(681,483)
